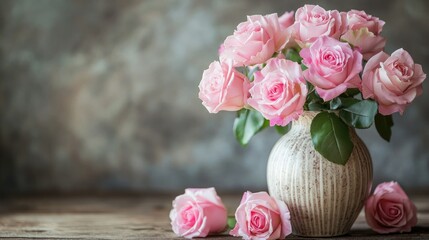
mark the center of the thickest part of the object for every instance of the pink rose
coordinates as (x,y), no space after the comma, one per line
(279,91)
(286,20)
(389,210)
(254,41)
(364,33)
(260,216)
(333,66)
(286,25)
(312,21)
(198,213)
(393,81)
(223,88)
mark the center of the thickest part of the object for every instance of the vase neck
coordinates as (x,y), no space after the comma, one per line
(305,119)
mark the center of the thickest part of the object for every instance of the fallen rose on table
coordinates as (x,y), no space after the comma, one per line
(200,212)
(390,210)
(260,216)
(197,213)
(271,70)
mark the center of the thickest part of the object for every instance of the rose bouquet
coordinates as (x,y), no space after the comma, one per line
(272,69)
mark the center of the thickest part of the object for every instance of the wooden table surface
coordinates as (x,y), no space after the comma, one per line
(134,217)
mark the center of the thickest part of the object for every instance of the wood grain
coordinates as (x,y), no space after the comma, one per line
(134,217)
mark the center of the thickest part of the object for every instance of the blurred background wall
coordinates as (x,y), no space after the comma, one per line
(102,96)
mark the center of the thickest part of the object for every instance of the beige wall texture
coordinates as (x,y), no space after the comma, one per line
(102,96)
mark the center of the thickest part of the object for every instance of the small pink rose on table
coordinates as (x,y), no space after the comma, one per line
(279,91)
(260,216)
(255,40)
(390,210)
(223,88)
(364,33)
(313,21)
(392,81)
(198,213)
(333,66)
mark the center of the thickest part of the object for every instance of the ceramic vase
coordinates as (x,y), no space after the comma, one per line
(324,198)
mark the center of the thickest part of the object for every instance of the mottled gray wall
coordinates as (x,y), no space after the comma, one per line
(102,95)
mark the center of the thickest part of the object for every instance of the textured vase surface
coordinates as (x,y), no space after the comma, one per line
(324,198)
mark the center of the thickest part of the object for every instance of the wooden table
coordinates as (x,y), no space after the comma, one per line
(133,217)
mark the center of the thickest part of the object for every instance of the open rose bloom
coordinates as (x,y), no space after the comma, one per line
(223,88)
(390,210)
(313,21)
(333,66)
(256,40)
(278,91)
(393,81)
(255,69)
(364,33)
(274,68)
(198,213)
(260,216)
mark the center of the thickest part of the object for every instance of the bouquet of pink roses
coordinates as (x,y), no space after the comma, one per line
(274,68)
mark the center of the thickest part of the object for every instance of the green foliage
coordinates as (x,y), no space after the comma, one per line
(313,101)
(247,124)
(384,124)
(348,101)
(351,92)
(231,222)
(293,55)
(330,128)
(317,106)
(250,73)
(331,137)
(335,103)
(283,130)
(360,114)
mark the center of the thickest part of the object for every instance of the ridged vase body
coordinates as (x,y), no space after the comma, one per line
(324,198)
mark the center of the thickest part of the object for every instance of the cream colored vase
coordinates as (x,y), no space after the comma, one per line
(324,198)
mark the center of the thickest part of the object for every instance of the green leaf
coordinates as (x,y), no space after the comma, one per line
(247,124)
(347,102)
(231,222)
(293,55)
(243,70)
(316,106)
(250,73)
(360,114)
(335,103)
(275,54)
(310,87)
(313,101)
(384,124)
(311,95)
(331,137)
(351,92)
(283,130)
(303,67)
